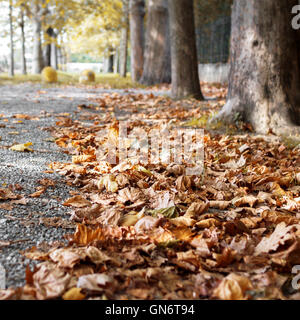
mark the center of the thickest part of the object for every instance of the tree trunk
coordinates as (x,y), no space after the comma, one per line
(116,62)
(37,63)
(124,40)
(185,76)
(12,62)
(109,63)
(54,55)
(48,47)
(23,56)
(157,57)
(264,80)
(137,13)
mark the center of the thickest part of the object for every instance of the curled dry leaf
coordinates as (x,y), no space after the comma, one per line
(196,209)
(246,200)
(78,202)
(281,234)
(207,223)
(146,223)
(83,158)
(69,257)
(219,204)
(22,147)
(7,194)
(94,282)
(183,183)
(131,218)
(109,182)
(233,287)
(50,281)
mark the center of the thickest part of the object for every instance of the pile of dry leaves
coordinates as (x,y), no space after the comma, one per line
(148,231)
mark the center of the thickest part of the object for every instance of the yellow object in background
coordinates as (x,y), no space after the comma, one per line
(87,76)
(49,75)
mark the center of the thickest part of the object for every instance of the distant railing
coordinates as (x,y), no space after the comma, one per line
(213,41)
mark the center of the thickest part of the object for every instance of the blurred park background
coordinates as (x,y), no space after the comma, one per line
(76,35)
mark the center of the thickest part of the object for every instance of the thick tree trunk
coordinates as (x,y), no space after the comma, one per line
(23,56)
(37,63)
(157,57)
(137,13)
(264,81)
(185,76)
(12,62)
(124,40)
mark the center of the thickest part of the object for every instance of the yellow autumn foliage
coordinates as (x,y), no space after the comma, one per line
(49,75)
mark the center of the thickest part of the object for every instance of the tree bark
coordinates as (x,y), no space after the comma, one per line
(185,76)
(157,56)
(37,63)
(54,55)
(137,13)
(264,79)
(109,63)
(11,33)
(23,56)
(124,40)
(50,34)
(117,61)
(38,11)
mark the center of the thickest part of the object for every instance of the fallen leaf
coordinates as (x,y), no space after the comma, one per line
(233,287)
(73,294)
(22,147)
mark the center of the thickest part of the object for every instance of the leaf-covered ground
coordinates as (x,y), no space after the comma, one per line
(148,230)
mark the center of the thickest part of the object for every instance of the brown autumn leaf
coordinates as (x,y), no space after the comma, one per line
(7,194)
(57,222)
(110,216)
(146,223)
(207,223)
(69,257)
(184,183)
(196,209)
(85,235)
(77,202)
(94,282)
(129,194)
(233,287)
(83,158)
(50,282)
(246,200)
(281,234)
(219,204)
(46,182)
(39,192)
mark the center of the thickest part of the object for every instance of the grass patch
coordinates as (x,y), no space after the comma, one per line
(203,122)
(291,142)
(106,81)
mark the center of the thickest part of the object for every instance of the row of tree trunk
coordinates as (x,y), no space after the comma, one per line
(264,81)
(168,53)
(41,59)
